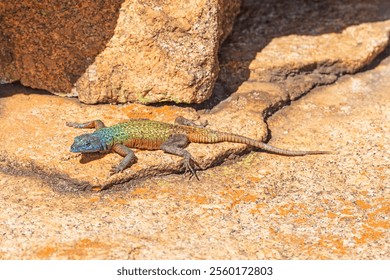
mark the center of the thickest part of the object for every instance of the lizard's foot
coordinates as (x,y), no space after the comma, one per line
(115,169)
(183,121)
(175,145)
(189,165)
(122,166)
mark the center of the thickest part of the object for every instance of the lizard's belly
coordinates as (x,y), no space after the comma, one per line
(147,144)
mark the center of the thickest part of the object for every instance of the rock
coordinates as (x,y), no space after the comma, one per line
(319,60)
(300,48)
(243,112)
(116,51)
(261,206)
(48,45)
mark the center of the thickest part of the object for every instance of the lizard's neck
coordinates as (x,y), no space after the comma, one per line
(106,138)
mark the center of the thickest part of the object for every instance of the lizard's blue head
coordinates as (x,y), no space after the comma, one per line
(87,143)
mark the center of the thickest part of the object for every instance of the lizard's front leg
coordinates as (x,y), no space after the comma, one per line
(175,145)
(91,124)
(126,152)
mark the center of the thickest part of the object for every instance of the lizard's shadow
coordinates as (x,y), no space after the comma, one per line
(86,158)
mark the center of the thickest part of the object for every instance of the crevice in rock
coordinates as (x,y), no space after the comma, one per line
(331,78)
(275,107)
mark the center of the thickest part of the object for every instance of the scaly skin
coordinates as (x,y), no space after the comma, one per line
(154,135)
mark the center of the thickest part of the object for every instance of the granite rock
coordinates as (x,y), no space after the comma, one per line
(263,206)
(252,205)
(115,51)
(301,44)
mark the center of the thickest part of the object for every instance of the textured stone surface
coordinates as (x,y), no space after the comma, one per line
(49,44)
(115,51)
(258,206)
(262,207)
(301,44)
(242,112)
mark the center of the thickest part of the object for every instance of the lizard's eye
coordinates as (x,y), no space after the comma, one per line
(88,144)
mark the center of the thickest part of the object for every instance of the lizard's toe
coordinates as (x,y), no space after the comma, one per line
(204,124)
(189,165)
(115,169)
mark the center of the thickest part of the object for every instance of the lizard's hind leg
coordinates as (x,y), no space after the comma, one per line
(175,145)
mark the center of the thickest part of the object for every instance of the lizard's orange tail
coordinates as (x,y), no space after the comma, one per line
(216,137)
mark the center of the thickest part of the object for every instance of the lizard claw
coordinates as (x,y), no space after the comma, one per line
(204,124)
(114,170)
(183,121)
(189,164)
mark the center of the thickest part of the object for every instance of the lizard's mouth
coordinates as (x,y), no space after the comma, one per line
(77,149)
(73,150)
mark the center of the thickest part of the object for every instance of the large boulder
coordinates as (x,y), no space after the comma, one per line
(115,51)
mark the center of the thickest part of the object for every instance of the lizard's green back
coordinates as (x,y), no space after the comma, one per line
(148,134)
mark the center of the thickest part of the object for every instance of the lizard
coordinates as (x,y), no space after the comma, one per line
(154,135)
